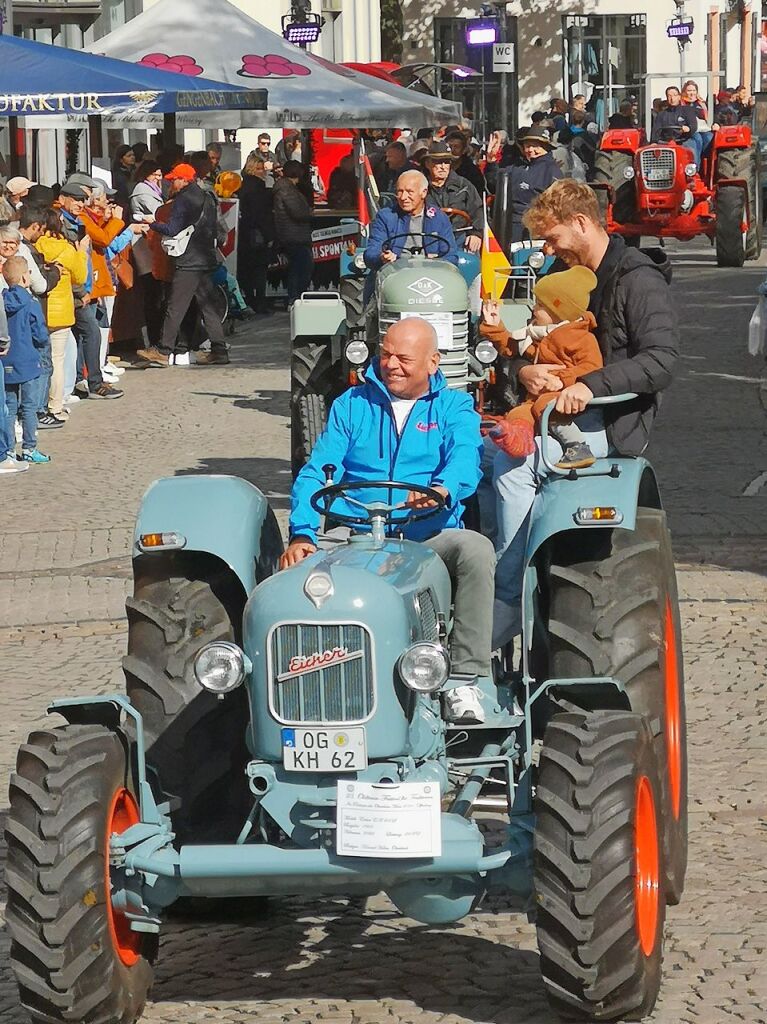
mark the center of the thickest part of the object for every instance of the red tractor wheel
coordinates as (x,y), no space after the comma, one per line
(74,956)
(598,866)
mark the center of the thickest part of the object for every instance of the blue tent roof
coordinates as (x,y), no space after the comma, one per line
(36,78)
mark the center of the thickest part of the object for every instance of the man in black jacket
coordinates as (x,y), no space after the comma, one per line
(466,168)
(449,190)
(531,177)
(639,340)
(678,123)
(293,229)
(192,278)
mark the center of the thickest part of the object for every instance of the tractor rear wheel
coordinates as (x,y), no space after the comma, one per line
(313,384)
(74,955)
(730,237)
(742,164)
(614,611)
(598,866)
(352,291)
(195,742)
(609,169)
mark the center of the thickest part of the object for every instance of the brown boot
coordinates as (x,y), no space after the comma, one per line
(153,356)
(212,359)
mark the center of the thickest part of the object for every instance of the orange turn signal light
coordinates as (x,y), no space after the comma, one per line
(598,514)
(161,541)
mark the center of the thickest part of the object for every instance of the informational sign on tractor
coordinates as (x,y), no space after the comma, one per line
(389,820)
(504,57)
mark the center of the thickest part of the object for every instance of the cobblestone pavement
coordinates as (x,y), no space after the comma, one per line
(64,572)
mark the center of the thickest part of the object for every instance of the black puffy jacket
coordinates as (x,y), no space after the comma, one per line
(459,194)
(193,206)
(292,214)
(638,335)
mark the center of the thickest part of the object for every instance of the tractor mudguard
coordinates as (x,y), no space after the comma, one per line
(623,484)
(626,140)
(223,516)
(318,313)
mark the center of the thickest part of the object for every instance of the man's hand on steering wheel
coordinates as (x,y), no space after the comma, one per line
(416,500)
(296,552)
(388,256)
(473,243)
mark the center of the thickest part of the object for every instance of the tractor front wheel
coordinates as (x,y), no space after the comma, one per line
(610,167)
(195,742)
(74,956)
(730,236)
(598,866)
(746,165)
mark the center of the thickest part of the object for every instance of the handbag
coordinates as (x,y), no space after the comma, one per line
(124,268)
(176,245)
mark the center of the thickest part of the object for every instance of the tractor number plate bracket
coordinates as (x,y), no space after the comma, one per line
(324,750)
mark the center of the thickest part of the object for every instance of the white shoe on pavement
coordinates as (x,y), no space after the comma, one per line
(72,399)
(114,368)
(10,465)
(108,376)
(463,706)
(180,359)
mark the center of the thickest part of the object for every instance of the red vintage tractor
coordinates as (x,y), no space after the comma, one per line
(657,190)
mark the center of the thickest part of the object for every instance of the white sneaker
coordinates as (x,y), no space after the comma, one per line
(114,368)
(11,465)
(72,399)
(108,376)
(180,359)
(463,706)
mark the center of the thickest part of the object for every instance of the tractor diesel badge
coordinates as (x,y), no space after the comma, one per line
(300,664)
(425,287)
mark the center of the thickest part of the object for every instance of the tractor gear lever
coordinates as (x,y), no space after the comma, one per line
(329,470)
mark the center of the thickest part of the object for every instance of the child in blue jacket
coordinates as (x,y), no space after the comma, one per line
(28,333)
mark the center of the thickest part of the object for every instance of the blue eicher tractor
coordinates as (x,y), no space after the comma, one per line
(283,733)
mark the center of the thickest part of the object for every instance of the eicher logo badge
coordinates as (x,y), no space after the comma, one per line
(302,664)
(425,287)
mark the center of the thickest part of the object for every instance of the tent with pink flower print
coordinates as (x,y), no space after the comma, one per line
(222,43)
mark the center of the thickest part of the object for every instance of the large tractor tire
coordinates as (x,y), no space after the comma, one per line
(73,955)
(352,291)
(195,742)
(730,238)
(314,384)
(743,164)
(598,866)
(609,169)
(614,611)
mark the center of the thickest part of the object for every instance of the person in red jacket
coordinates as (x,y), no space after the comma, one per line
(560,333)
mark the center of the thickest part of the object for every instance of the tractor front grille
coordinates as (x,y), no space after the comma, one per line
(321,673)
(454,360)
(658,168)
(427,613)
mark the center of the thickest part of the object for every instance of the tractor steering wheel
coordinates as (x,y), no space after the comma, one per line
(323,499)
(415,250)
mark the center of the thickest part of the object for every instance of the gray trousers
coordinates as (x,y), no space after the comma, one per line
(470,560)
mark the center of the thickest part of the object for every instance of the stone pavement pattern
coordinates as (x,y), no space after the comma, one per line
(64,572)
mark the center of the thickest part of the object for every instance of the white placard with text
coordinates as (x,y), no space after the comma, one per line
(389,820)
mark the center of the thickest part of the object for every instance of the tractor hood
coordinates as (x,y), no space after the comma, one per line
(416,284)
(332,659)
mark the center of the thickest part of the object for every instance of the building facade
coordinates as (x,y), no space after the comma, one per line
(605,49)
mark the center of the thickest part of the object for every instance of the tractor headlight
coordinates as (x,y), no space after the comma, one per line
(537,259)
(424,667)
(359,260)
(486,352)
(357,353)
(220,667)
(690,170)
(629,173)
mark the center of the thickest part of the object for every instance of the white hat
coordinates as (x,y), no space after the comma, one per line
(17,185)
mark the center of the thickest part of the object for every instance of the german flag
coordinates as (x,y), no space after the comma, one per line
(495,266)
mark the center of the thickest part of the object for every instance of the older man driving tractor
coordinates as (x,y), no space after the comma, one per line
(404,423)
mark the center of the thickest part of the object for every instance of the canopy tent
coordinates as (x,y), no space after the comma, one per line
(41,80)
(305,91)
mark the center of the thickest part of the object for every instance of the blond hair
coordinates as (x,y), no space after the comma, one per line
(14,270)
(253,163)
(560,204)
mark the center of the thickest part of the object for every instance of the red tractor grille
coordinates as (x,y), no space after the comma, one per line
(658,168)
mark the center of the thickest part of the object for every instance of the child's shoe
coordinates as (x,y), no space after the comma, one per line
(33,455)
(514,437)
(576,456)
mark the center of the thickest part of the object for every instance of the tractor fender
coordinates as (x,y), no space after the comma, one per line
(318,313)
(223,516)
(631,483)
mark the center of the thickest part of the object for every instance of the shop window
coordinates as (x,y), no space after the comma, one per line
(605,57)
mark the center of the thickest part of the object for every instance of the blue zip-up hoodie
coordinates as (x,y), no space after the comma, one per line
(392,221)
(439,445)
(26,327)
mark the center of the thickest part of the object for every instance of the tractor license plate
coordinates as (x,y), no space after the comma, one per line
(324,750)
(658,174)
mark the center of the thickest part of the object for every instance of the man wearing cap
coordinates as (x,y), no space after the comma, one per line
(537,170)
(17,189)
(465,167)
(192,278)
(71,201)
(450,191)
